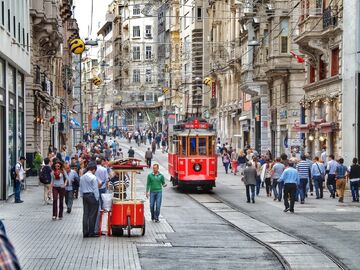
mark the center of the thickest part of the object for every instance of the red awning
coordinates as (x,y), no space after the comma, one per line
(302,128)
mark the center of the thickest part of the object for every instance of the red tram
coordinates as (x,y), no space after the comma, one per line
(192,156)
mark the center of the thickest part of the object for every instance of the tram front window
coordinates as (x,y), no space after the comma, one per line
(202,146)
(183,143)
(193,146)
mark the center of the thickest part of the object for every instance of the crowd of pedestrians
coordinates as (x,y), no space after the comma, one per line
(289,178)
(86,172)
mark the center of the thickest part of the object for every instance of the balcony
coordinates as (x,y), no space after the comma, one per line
(316,28)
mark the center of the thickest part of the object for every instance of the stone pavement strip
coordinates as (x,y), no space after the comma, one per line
(42,243)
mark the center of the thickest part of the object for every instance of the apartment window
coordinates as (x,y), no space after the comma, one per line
(136,31)
(186,20)
(136,10)
(136,75)
(322,69)
(149,97)
(2,74)
(312,74)
(335,62)
(2,13)
(148,31)
(148,53)
(319,7)
(11,78)
(199,14)
(187,44)
(284,35)
(9,20)
(141,97)
(136,53)
(148,75)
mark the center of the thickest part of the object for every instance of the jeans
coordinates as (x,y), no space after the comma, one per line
(252,188)
(101,191)
(58,192)
(268,186)
(69,198)
(91,207)
(274,188)
(289,191)
(302,188)
(226,165)
(17,190)
(148,162)
(258,183)
(355,190)
(280,188)
(331,184)
(318,183)
(155,204)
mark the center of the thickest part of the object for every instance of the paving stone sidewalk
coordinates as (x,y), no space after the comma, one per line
(42,243)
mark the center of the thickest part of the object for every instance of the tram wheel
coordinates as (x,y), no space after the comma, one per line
(128,226)
(143,229)
(117,231)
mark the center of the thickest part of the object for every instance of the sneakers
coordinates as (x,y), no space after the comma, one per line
(157,221)
(286,210)
(19,201)
(53,218)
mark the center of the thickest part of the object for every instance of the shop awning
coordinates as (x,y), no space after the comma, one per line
(243,118)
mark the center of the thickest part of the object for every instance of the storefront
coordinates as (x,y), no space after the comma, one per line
(12,121)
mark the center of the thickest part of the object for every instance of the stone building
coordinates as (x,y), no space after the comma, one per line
(139,87)
(49,88)
(320,39)
(14,67)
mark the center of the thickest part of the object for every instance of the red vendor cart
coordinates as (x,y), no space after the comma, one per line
(126,213)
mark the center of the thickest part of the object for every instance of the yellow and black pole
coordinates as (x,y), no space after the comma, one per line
(77,46)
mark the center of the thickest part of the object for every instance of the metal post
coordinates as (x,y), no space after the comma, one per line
(81,105)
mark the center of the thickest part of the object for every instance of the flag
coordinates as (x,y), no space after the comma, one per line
(298,58)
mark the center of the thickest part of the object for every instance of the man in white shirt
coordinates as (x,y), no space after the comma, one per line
(20,176)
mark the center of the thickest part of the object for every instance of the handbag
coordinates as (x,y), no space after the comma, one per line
(321,175)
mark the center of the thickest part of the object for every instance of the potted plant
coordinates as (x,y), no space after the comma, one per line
(38,160)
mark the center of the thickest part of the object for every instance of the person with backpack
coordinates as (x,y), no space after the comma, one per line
(45,179)
(18,175)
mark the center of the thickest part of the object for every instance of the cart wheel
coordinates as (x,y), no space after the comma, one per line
(117,231)
(143,230)
(128,226)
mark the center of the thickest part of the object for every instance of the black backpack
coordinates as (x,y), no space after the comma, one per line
(43,177)
(13,172)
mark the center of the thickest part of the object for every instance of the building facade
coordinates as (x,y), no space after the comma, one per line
(140,89)
(50,86)
(14,66)
(321,39)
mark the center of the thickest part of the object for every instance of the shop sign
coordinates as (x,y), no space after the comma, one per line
(213,89)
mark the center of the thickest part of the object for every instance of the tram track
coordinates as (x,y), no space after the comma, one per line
(228,212)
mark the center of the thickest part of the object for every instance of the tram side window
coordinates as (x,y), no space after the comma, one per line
(211,145)
(202,146)
(183,146)
(193,146)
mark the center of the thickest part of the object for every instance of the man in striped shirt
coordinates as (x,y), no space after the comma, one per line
(303,169)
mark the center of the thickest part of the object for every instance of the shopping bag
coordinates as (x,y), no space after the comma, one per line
(107,201)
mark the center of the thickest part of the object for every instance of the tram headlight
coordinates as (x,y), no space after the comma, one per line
(197,167)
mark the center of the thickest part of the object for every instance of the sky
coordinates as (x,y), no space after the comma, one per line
(83,15)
